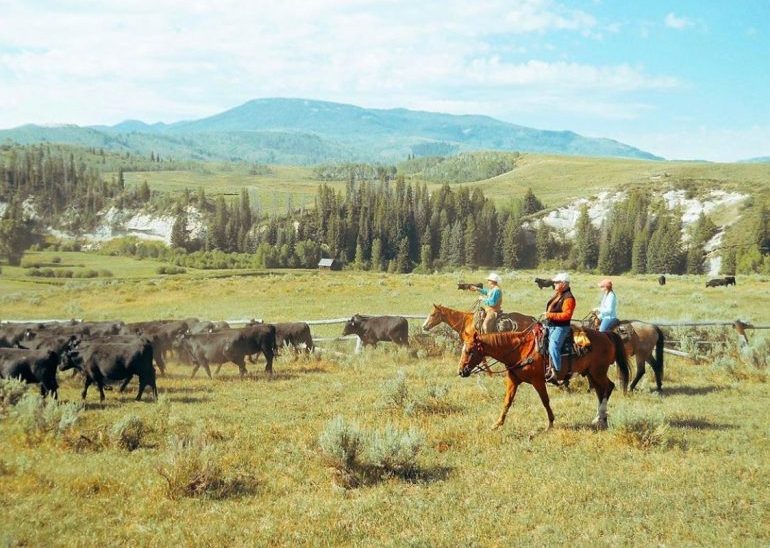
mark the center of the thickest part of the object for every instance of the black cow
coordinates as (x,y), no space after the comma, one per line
(729,280)
(233,345)
(295,334)
(102,362)
(716,282)
(541,283)
(161,334)
(31,366)
(661,280)
(372,329)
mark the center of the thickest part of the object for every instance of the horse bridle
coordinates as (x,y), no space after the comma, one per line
(483,367)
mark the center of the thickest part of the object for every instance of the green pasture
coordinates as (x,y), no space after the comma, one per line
(271,193)
(556,180)
(686,468)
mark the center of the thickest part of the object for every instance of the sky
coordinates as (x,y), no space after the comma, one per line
(681,79)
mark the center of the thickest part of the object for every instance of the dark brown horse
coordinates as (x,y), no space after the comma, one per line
(462,322)
(524,363)
(641,340)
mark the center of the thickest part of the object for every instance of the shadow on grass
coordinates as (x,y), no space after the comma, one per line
(699,423)
(691,390)
(369,476)
(188,399)
(185,389)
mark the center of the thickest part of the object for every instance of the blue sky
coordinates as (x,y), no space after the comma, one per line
(684,80)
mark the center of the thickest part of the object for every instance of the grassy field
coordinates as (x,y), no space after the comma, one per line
(687,468)
(556,180)
(270,193)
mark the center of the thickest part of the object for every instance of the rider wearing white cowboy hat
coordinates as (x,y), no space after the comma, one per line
(558,312)
(492,302)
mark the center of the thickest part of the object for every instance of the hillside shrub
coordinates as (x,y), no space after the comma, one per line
(56,260)
(171,270)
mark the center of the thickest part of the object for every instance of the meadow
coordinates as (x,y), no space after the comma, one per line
(223,461)
(555,180)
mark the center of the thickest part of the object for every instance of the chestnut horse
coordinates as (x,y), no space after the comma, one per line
(462,322)
(643,339)
(518,351)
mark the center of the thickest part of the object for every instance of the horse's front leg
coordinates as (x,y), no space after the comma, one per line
(539,385)
(511,385)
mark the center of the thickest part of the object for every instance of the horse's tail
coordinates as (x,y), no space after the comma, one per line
(620,358)
(658,366)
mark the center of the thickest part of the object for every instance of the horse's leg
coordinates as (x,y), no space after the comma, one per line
(511,385)
(639,371)
(656,369)
(539,385)
(604,387)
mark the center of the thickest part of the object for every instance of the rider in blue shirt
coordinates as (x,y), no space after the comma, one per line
(492,303)
(608,308)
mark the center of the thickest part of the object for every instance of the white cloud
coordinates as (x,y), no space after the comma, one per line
(672,21)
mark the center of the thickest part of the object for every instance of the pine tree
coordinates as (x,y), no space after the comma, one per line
(179,232)
(376,261)
(586,241)
(511,244)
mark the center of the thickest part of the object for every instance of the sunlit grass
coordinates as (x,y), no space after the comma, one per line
(701,478)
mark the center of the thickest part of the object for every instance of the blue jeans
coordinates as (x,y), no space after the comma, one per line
(556,336)
(605,325)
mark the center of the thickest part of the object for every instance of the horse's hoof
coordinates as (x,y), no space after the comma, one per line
(496,426)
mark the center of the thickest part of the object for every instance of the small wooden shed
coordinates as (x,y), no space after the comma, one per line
(329,264)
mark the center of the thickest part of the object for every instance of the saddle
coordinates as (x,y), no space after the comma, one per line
(503,322)
(576,345)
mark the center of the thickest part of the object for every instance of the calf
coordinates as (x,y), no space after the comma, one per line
(372,329)
(661,280)
(541,283)
(31,366)
(102,362)
(295,334)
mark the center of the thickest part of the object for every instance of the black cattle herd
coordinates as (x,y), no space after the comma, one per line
(107,352)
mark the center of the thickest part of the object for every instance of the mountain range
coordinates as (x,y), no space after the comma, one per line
(300,131)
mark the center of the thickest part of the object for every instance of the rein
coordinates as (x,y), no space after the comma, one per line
(483,367)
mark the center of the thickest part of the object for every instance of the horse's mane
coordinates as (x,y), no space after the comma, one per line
(502,339)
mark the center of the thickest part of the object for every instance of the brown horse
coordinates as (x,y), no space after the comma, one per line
(462,322)
(518,351)
(640,341)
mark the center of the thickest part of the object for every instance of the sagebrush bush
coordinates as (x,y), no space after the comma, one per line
(38,418)
(757,352)
(341,442)
(11,392)
(129,432)
(395,392)
(642,429)
(394,451)
(193,468)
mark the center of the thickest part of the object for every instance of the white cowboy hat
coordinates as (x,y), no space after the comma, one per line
(493,277)
(561,277)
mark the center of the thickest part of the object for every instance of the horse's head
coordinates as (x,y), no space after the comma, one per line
(435,318)
(472,356)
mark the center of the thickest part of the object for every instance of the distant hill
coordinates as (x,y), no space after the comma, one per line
(759,160)
(297,131)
